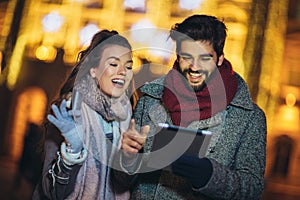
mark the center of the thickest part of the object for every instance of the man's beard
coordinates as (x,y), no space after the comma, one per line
(198,88)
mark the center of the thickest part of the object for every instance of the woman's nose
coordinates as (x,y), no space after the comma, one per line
(122,70)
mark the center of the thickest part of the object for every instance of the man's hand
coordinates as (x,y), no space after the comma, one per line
(132,140)
(196,170)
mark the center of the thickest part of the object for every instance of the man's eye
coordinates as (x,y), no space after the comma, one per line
(205,58)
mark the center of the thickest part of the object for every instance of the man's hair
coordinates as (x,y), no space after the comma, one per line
(201,28)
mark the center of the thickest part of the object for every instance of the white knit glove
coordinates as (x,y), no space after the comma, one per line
(64,121)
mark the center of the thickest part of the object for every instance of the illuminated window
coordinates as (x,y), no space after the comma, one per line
(30,108)
(87,32)
(135,5)
(182,8)
(142,31)
(152,44)
(190,4)
(52,22)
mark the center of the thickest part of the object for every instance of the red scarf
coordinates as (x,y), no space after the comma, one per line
(185,105)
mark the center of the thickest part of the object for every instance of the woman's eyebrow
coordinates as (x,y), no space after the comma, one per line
(113,57)
(185,54)
(118,59)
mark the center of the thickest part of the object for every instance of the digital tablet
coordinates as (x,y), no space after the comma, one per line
(180,140)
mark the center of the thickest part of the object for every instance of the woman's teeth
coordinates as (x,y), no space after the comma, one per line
(118,81)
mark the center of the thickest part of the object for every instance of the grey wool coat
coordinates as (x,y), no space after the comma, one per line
(237,150)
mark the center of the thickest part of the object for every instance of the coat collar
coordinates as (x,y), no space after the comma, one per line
(242,97)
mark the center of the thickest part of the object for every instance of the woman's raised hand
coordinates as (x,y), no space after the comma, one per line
(132,140)
(64,121)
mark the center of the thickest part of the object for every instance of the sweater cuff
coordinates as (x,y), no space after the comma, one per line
(72,158)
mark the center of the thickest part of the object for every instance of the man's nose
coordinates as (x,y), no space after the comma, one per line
(196,64)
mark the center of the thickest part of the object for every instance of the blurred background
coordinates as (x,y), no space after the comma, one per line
(40,40)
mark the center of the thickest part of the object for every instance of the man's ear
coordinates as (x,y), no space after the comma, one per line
(221,59)
(93,72)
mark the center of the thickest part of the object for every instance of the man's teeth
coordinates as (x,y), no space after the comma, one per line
(195,74)
(118,81)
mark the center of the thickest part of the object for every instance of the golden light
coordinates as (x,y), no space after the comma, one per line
(1,59)
(30,108)
(290,100)
(288,116)
(159,69)
(137,64)
(70,57)
(15,61)
(45,53)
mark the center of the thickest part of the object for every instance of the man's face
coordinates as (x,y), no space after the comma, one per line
(197,61)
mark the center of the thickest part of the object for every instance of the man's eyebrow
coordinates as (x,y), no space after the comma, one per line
(207,54)
(201,55)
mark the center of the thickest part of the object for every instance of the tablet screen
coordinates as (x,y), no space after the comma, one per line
(180,140)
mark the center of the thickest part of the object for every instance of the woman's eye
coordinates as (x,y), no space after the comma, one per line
(113,64)
(186,58)
(129,67)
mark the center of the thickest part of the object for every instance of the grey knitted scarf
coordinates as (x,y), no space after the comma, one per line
(94,177)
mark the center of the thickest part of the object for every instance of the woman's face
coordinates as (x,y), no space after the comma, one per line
(114,72)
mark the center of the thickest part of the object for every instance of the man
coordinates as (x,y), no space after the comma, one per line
(202,92)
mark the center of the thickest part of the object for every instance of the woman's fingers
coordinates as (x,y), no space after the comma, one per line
(131,125)
(63,108)
(129,149)
(132,140)
(56,112)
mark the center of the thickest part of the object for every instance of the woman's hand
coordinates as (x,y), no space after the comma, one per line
(132,140)
(64,121)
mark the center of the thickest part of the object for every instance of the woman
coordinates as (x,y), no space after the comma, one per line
(86,123)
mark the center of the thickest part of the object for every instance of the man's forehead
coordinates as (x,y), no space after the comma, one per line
(192,46)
